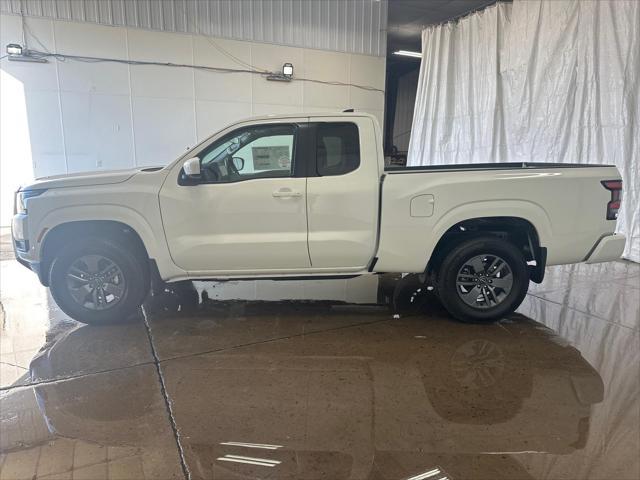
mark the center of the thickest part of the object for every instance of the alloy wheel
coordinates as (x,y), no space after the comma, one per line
(484,281)
(95,282)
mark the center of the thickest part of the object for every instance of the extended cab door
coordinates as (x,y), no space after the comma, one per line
(247,212)
(342,192)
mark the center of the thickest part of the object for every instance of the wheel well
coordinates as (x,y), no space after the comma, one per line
(65,233)
(518,231)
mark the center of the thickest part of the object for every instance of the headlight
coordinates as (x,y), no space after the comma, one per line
(22,196)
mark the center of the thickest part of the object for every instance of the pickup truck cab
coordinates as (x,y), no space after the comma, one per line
(308,196)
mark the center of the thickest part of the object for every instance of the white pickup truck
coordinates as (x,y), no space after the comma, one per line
(308,196)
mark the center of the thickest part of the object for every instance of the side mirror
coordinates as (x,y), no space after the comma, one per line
(191,167)
(238,163)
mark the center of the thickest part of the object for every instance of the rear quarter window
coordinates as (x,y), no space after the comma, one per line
(337,148)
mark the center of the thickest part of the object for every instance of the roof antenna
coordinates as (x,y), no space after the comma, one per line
(348,110)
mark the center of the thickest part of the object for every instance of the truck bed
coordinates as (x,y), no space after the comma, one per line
(565,204)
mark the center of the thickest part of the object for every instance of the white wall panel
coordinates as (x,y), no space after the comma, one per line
(274,109)
(164,129)
(356,26)
(97,131)
(217,86)
(159,81)
(151,46)
(212,116)
(45,132)
(326,66)
(364,70)
(106,78)
(222,86)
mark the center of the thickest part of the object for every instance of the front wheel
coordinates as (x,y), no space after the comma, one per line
(483,279)
(99,281)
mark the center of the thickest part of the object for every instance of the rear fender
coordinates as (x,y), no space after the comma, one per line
(529,211)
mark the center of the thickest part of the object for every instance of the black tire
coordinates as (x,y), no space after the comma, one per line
(125,256)
(455,260)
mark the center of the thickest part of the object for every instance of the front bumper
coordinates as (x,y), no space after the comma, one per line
(608,248)
(21,246)
(33,266)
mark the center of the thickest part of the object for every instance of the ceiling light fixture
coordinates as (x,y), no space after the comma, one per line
(285,76)
(407,53)
(18,53)
(14,49)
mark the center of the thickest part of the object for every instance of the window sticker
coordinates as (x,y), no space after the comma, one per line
(271,158)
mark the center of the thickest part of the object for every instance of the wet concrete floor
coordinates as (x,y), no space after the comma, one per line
(337,388)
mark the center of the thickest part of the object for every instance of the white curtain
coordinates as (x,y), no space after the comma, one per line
(543,81)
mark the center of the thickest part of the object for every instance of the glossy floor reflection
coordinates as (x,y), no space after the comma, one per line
(112,425)
(353,399)
(332,389)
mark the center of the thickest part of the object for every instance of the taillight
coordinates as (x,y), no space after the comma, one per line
(615,187)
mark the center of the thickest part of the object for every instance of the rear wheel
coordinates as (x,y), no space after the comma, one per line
(483,279)
(99,281)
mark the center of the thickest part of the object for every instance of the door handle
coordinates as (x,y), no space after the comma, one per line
(286,193)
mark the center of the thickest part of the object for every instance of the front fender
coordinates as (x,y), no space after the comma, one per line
(152,236)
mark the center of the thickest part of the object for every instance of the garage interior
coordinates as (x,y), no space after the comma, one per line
(361,378)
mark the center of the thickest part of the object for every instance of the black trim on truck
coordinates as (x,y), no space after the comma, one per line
(536,272)
(374,260)
(306,160)
(464,167)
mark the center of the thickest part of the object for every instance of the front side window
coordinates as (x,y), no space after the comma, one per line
(261,151)
(337,148)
